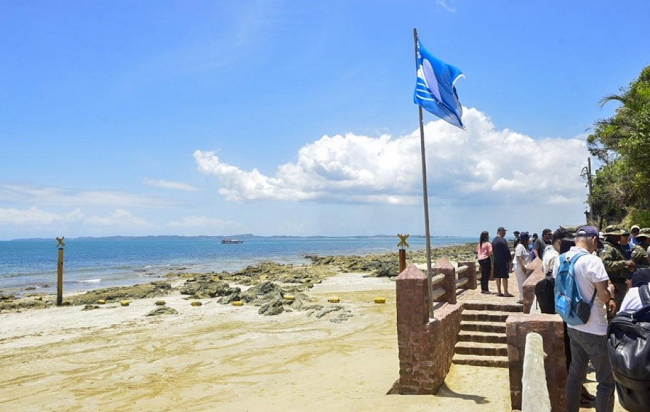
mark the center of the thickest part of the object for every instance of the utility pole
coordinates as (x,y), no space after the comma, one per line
(586,173)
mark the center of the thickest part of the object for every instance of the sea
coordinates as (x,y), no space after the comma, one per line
(30,265)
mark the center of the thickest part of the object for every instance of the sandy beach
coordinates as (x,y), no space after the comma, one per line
(222,357)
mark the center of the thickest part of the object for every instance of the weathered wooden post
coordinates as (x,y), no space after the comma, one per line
(59,272)
(402,251)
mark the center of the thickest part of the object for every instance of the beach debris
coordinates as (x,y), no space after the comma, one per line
(66,303)
(333,300)
(238,303)
(196,303)
(165,310)
(160,303)
(289,297)
(380,300)
(90,307)
(125,302)
(101,302)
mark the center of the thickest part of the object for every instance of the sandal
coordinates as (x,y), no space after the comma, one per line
(499,294)
(508,295)
(586,396)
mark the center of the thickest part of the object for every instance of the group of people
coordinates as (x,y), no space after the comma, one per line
(613,267)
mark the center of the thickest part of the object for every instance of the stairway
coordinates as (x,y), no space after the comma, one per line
(482,336)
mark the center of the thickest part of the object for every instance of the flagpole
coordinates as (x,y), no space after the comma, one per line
(424,188)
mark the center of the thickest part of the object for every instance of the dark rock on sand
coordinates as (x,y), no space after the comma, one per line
(207,286)
(163,310)
(141,291)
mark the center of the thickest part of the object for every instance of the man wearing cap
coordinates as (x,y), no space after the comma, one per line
(616,265)
(632,300)
(633,232)
(589,341)
(501,253)
(640,252)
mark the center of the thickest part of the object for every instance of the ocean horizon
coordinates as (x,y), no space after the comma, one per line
(30,265)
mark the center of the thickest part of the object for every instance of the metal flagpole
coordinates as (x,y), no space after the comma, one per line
(424,188)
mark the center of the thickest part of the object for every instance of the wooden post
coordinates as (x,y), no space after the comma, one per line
(402,251)
(59,273)
(402,260)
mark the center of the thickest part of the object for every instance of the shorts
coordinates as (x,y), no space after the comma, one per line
(501,270)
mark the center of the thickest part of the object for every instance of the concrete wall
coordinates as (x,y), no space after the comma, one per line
(552,330)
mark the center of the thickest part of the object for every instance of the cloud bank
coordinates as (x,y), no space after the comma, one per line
(478,165)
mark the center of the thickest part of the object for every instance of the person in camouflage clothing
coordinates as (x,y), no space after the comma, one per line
(640,251)
(616,265)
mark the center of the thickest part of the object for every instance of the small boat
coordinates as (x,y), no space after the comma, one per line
(228,241)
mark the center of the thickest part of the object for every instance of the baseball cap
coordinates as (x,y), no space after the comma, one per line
(640,277)
(501,228)
(587,231)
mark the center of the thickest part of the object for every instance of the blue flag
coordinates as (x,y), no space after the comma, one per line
(435,89)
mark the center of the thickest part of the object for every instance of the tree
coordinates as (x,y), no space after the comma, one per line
(621,187)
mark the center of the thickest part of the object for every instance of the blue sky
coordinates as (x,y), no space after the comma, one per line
(296,117)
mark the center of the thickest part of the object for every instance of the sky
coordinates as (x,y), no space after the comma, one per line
(297,117)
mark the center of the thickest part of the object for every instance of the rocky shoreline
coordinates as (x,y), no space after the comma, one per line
(274,287)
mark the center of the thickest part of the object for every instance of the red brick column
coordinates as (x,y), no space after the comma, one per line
(445,267)
(425,348)
(470,273)
(535,274)
(552,331)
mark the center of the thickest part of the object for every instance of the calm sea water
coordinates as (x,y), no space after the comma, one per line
(102,262)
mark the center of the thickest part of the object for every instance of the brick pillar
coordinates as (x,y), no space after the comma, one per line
(470,273)
(445,267)
(552,331)
(425,347)
(412,318)
(535,274)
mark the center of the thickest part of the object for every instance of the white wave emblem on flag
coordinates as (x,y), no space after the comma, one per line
(428,76)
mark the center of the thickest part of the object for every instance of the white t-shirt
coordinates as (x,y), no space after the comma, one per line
(549,261)
(589,269)
(522,251)
(631,301)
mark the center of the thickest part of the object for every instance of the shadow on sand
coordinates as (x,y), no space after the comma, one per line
(445,392)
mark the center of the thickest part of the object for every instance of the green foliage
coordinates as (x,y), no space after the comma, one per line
(621,187)
(637,217)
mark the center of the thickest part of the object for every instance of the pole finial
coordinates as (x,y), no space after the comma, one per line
(60,240)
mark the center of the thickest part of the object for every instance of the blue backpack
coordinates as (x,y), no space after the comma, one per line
(568,300)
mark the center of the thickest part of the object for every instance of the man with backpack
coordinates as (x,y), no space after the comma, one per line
(587,331)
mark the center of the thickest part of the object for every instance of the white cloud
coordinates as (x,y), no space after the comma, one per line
(54,196)
(446,6)
(166,184)
(48,221)
(118,218)
(199,222)
(480,164)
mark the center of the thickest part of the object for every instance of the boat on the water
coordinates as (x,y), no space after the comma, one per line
(228,241)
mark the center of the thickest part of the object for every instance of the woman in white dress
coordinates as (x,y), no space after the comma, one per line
(522,258)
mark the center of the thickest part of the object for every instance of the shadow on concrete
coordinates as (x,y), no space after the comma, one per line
(444,391)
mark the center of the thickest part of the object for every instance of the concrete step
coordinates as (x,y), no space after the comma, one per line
(482,349)
(490,327)
(493,307)
(484,315)
(491,361)
(484,337)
